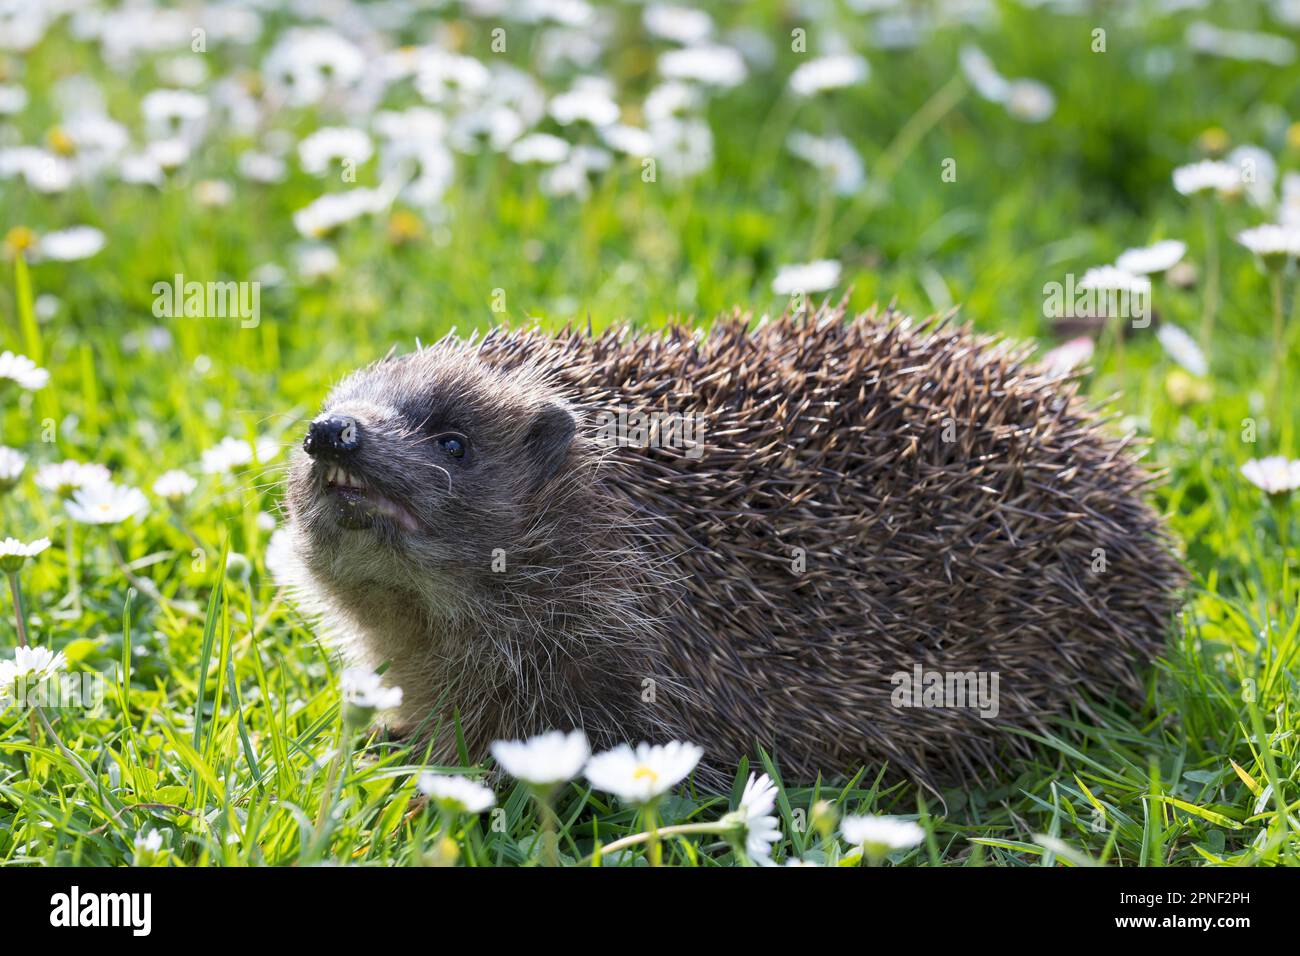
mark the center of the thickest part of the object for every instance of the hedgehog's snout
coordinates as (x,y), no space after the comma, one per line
(332,438)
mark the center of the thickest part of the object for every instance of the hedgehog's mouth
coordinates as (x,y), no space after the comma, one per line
(358,505)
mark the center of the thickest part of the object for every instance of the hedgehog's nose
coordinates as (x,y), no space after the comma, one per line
(331,436)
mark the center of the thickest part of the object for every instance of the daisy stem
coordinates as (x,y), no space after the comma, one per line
(942,102)
(550,835)
(1282,517)
(905,141)
(680,829)
(773,134)
(20,614)
(1210,303)
(1112,336)
(74,566)
(1275,280)
(20,618)
(652,826)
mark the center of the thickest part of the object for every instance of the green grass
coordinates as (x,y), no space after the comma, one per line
(220,727)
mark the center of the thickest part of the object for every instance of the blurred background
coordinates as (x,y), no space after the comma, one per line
(338,178)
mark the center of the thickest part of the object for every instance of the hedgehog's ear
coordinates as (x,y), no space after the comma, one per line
(549,436)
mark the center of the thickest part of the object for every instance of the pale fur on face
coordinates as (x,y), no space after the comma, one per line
(495,600)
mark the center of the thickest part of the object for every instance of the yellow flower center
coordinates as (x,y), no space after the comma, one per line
(19,239)
(1215,140)
(60,142)
(644,773)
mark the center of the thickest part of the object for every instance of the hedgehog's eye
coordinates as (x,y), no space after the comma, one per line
(453,445)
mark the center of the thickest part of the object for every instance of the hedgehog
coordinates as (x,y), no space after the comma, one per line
(851,541)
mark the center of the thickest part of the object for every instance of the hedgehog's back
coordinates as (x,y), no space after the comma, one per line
(871,499)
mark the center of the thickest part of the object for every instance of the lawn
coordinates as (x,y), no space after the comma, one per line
(608,163)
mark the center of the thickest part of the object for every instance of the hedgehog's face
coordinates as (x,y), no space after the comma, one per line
(423,463)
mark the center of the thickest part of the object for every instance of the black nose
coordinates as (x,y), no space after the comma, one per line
(331,436)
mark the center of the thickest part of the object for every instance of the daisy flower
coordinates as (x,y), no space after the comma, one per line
(14,553)
(326,213)
(12,464)
(306,63)
(1275,475)
(1258,171)
(213,193)
(231,453)
(1182,348)
(140,169)
(280,556)
(878,836)
(683,147)
(65,477)
(45,171)
(982,74)
(23,371)
(755,820)
(444,77)
(1240,44)
(1273,244)
(258,167)
(829,73)
(1205,176)
(170,113)
(150,842)
(679,24)
(643,775)
(174,485)
(456,794)
(590,100)
(331,144)
(1112,278)
(362,688)
(818,276)
(1065,358)
(316,260)
(12,99)
(630,140)
(1030,101)
(544,760)
(711,65)
(30,666)
(168,154)
(672,101)
(106,503)
(833,155)
(71,245)
(1146,260)
(539,148)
